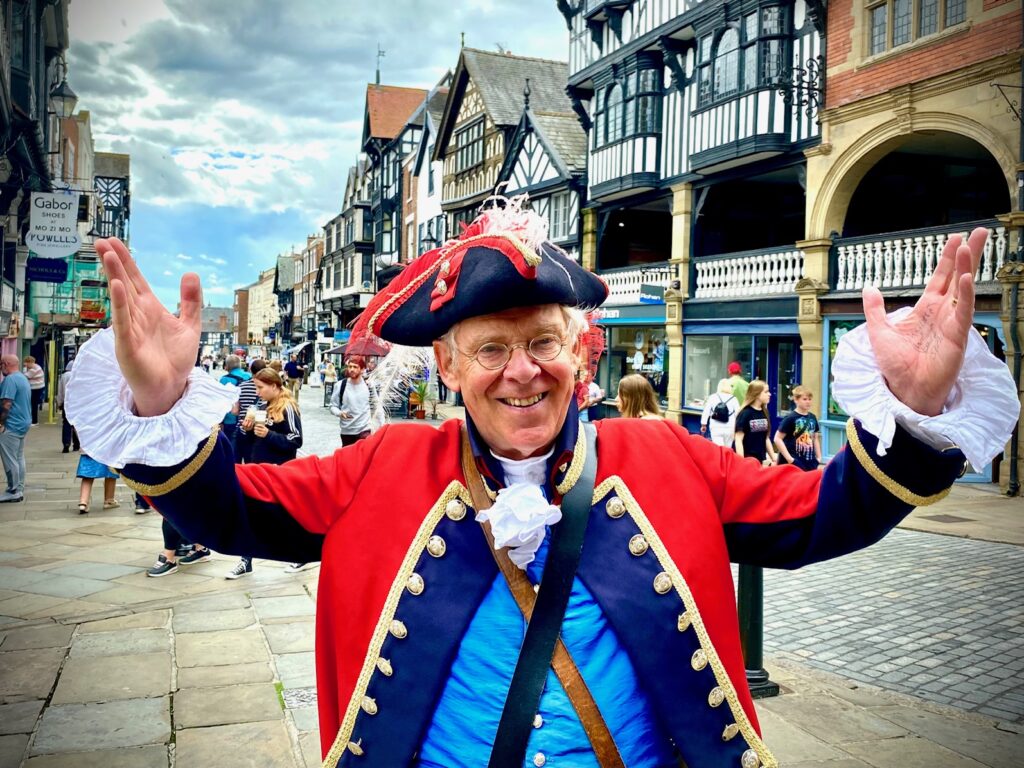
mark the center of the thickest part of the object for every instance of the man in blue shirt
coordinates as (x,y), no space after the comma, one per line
(295,372)
(15,420)
(234,377)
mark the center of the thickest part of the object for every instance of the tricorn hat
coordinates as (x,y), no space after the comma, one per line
(501,261)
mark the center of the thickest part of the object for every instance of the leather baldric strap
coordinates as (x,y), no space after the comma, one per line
(510,745)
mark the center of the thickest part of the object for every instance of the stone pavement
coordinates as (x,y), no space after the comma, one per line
(102,666)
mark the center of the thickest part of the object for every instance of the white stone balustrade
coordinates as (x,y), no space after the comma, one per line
(624,285)
(908,260)
(748,276)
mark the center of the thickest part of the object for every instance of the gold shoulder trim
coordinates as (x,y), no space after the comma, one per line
(180,477)
(455,490)
(579,456)
(901,492)
(615,483)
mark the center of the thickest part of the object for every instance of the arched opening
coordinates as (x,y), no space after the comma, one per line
(931,179)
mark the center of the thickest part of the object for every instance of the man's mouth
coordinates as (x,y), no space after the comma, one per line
(523,402)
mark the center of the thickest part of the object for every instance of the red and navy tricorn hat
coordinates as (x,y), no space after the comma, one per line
(501,261)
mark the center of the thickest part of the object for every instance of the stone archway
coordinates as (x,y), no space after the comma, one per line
(833,196)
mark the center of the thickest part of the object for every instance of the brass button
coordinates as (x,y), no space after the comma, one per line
(638,545)
(699,660)
(398,629)
(441,287)
(749,759)
(436,546)
(455,509)
(538,721)
(355,749)
(683,623)
(662,583)
(415,585)
(446,267)
(539,760)
(730,732)
(369,705)
(716,697)
(615,508)
(562,467)
(536,589)
(385,667)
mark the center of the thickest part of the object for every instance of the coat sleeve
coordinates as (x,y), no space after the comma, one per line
(279,512)
(783,517)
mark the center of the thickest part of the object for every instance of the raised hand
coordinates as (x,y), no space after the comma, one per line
(155,349)
(920,355)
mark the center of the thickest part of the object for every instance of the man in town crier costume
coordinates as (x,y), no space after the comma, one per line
(615,538)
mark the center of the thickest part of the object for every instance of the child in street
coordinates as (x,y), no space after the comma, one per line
(798,438)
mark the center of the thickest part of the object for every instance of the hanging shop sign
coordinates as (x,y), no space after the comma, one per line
(46,270)
(53,225)
(652,294)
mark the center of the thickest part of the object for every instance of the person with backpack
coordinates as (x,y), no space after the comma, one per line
(719,415)
(234,377)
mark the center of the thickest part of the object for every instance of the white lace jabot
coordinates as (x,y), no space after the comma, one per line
(979,414)
(99,404)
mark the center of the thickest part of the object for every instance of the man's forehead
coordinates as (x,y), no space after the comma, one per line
(512,321)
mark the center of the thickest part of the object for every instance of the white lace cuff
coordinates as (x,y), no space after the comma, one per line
(99,404)
(979,414)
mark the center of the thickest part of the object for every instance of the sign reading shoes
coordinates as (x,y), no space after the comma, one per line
(53,225)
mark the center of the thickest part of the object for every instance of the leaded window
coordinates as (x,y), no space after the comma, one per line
(628,107)
(749,54)
(727,64)
(469,146)
(892,23)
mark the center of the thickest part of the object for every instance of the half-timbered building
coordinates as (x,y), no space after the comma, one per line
(696,177)
(483,109)
(547,159)
(431,228)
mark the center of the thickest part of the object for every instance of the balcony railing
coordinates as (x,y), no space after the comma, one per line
(907,259)
(624,284)
(748,274)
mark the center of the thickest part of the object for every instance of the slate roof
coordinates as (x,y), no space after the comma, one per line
(435,105)
(211,319)
(501,77)
(566,137)
(389,107)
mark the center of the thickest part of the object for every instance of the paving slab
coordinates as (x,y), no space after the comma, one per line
(296,670)
(12,749)
(68,587)
(17,578)
(909,752)
(127,757)
(222,602)
(846,762)
(244,745)
(835,720)
(147,620)
(126,595)
(210,649)
(121,642)
(27,675)
(200,707)
(108,678)
(50,636)
(281,607)
(293,637)
(986,744)
(229,674)
(87,727)
(106,571)
(309,743)
(790,743)
(305,719)
(27,606)
(214,620)
(20,717)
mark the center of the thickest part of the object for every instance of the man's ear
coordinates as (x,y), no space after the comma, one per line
(447,368)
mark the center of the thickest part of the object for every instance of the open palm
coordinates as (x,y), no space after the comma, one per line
(155,349)
(921,354)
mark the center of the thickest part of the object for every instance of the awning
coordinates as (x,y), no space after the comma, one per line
(297,348)
(366,347)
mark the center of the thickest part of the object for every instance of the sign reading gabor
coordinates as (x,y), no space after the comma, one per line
(53,225)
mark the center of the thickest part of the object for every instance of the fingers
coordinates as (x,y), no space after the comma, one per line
(976,242)
(964,268)
(114,268)
(191,300)
(964,307)
(120,307)
(939,281)
(874,311)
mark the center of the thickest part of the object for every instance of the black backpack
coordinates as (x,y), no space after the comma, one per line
(721,411)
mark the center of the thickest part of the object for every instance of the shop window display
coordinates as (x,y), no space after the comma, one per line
(707,361)
(640,350)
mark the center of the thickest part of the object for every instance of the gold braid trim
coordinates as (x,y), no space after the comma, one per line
(180,477)
(455,490)
(615,483)
(579,456)
(901,492)
(529,256)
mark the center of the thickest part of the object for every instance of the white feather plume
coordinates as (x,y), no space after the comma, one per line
(393,375)
(500,215)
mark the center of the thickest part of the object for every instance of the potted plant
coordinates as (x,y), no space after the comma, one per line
(420,392)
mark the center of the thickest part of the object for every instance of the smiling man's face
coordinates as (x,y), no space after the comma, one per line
(518,409)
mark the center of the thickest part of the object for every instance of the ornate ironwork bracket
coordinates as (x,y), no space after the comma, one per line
(1012,105)
(804,86)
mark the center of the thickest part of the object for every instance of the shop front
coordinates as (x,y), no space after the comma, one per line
(766,349)
(635,342)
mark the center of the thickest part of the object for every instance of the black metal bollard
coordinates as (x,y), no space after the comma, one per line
(750,604)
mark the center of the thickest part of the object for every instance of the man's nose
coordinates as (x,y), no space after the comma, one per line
(520,366)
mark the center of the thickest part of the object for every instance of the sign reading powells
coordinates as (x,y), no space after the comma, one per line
(53,225)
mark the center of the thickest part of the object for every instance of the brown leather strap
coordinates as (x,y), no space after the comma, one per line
(561,661)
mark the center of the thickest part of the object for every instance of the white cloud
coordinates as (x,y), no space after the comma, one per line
(183,257)
(168,273)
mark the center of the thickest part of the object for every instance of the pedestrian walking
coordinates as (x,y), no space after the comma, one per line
(273,435)
(352,401)
(15,420)
(626,528)
(68,435)
(294,371)
(167,562)
(90,470)
(248,403)
(636,398)
(234,376)
(739,384)
(753,425)
(798,438)
(719,415)
(37,383)
(592,398)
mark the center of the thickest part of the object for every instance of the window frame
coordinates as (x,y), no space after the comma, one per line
(915,34)
(619,120)
(469,152)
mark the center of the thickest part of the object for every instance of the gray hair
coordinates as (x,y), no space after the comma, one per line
(575,324)
(232,362)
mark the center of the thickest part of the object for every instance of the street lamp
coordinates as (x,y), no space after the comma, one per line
(64,99)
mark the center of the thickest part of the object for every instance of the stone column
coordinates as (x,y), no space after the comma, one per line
(1010,274)
(813,284)
(588,254)
(679,267)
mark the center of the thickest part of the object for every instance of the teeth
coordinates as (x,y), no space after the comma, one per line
(523,403)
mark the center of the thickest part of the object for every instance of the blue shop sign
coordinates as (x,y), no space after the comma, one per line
(652,294)
(342,335)
(46,270)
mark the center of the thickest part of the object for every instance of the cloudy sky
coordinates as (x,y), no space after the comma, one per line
(242,116)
